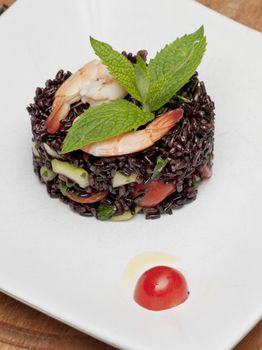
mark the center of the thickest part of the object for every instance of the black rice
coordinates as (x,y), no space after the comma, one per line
(189,147)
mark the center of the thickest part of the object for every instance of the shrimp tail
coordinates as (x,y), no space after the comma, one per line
(161,125)
(59,112)
(61,108)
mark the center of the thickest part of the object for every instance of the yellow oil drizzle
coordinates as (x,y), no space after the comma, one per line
(143,261)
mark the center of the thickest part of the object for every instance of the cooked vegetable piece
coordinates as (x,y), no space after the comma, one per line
(120,179)
(47,174)
(76,174)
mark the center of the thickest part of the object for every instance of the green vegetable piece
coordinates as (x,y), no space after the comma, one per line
(173,66)
(47,174)
(118,65)
(160,164)
(105,211)
(63,188)
(125,216)
(120,179)
(103,122)
(76,174)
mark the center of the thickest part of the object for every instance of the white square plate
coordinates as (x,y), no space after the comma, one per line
(72,267)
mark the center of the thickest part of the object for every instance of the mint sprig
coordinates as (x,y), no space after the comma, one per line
(173,66)
(103,122)
(153,85)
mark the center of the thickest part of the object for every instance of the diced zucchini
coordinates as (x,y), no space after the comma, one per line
(76,174)
(125,216)
(47,174)
(120,180)
(34,150)
(51,151)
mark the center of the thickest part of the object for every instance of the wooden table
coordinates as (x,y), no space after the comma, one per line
(24,328)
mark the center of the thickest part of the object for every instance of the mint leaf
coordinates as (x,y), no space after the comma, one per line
(173,67)
(63,188)
(103,122)
(118,65)
(160,164)
(194,184)
(182,99)
(105,211)
(174,55)
(142,77)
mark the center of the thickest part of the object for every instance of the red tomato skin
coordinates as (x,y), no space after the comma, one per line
(161,288)
(138,189)
(156,192)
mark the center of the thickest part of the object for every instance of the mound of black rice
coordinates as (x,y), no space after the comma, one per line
(188,146)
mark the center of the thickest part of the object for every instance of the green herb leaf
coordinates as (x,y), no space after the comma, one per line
(182,99)
(105,211)
(174,55)
(63,188)
(194,184)
(173,66)
(118,65)
(160,164)
(142,77)
(103,122)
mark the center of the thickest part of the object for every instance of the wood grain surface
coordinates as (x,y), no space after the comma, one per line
(24,328)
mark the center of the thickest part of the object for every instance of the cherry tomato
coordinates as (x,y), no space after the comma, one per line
(161,288)
(156,192)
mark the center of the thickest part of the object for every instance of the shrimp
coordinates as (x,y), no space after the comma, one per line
(136,141)
(92,84)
